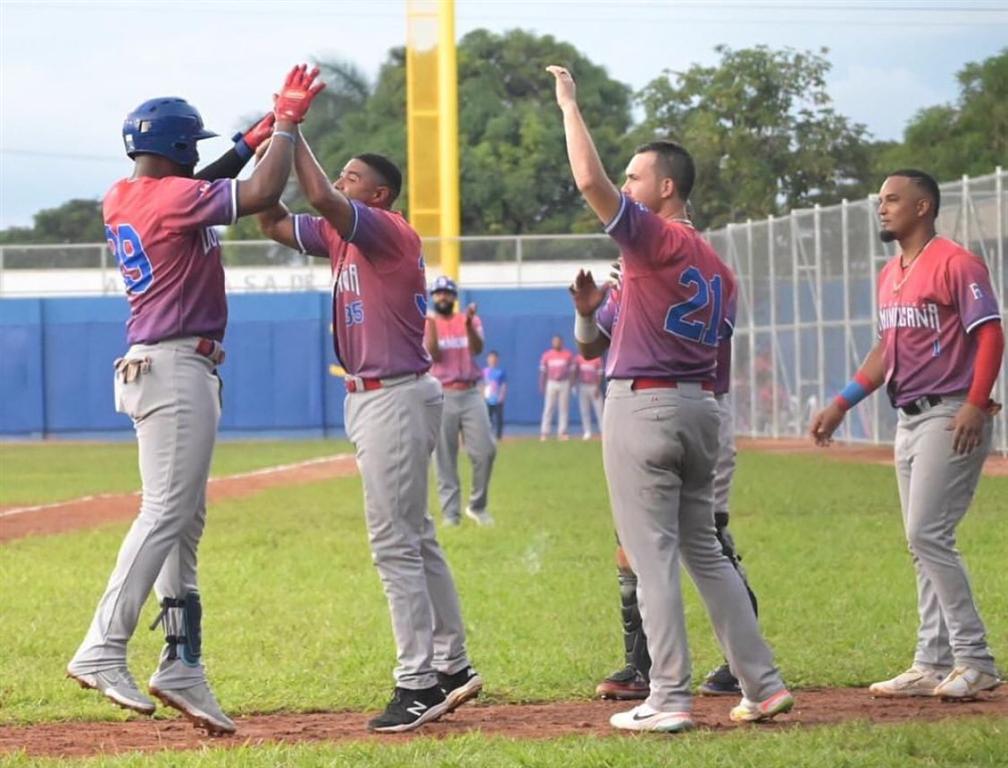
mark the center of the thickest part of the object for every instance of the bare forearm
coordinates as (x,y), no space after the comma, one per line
(595,348)
(263,189)
(475,342)
(431,341)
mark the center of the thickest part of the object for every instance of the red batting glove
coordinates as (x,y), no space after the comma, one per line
(295,98)
(259,132)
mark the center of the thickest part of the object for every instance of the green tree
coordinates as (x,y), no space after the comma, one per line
(762,130)
(75,221)
(968,137)
(514,172)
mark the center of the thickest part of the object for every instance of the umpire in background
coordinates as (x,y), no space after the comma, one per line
(453,341)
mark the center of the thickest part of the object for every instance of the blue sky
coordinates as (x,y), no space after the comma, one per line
(69,71)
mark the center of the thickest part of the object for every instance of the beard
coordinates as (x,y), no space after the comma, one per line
(887,235)
(444,307)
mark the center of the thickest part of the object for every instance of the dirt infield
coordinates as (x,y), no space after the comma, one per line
(89,511)
(996,466)
(816,706)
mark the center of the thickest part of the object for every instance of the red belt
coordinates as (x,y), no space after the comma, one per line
(358,384)
(643,382)
(459,385)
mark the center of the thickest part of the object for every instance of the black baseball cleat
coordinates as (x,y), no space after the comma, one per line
(460,687)
(720,682)
(410,709)
(626,684)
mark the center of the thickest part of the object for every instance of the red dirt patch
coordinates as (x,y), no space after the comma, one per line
(91,511)
(816,706)
(996,466)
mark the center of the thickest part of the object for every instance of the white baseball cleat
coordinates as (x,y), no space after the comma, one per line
(966,683)
(117,685)
(481,516)
(914,682)
(199,705)
(754,711)
(646,718)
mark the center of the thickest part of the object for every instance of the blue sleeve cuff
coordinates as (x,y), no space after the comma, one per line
(243,150)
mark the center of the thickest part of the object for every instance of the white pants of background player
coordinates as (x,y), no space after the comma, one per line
(589,399)
(557,394)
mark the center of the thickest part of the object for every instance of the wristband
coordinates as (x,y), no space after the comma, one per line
(857,389)
(287,134)
(586,330)
(241,147)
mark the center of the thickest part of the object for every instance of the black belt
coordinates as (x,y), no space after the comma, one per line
(921,404)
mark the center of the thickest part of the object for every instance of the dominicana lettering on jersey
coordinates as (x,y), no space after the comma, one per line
(909,316)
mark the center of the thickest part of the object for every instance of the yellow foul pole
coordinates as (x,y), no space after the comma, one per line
(448,139)
(432,129)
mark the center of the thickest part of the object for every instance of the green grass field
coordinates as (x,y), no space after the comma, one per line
(295,618)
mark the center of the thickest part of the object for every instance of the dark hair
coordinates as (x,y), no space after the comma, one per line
(676,164)
(389,173)
(923,181)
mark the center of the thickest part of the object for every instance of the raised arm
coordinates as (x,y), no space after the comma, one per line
(230,164)
(588,297)
(430,338)
(589,173)
(472,335)
(266,184)
(331,204)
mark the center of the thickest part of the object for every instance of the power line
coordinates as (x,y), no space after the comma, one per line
(61,155)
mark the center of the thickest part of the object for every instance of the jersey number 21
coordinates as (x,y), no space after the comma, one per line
(677,320)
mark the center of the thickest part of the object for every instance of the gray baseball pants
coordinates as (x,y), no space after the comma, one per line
(465,414)
(589,399)
(175,407)
(556,397)
(659,448)
(936,487)
(394,430)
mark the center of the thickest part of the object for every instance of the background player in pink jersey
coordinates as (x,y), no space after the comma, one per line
(632,680)
(453,340)
(589,392)
(159,224)
(939,353)
(392,415)
(660,435)
(556,373)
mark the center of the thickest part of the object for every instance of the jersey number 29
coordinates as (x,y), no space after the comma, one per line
(677,320)
(134,263)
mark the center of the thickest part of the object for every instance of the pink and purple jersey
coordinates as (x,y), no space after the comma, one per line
(926,314)
(457,363)
(677,299)
(161,233)
(589,371)
(379,290)
(608,314)
(557,365)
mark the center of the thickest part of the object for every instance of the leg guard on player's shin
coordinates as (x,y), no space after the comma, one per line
(634,640)
(182,620)
(728,548)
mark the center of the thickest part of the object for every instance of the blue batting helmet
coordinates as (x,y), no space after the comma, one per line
(166,126)
(445,283)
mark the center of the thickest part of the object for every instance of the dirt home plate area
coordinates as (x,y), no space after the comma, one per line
(815,706)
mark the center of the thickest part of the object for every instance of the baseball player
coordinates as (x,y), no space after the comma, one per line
(392,414)
(556,372)
(495,391)
(589,391)
(453,340)
(660,424)
(939,352)
(631,681)
(159,223)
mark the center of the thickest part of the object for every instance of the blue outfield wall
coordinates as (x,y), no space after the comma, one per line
(56,360)
(56,357)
